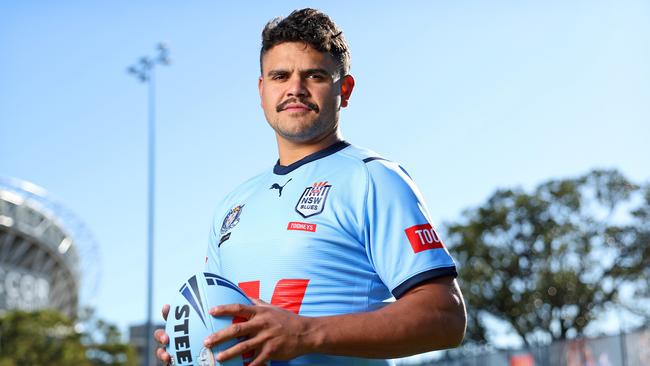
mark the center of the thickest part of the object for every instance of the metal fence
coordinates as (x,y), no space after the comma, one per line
(631,349)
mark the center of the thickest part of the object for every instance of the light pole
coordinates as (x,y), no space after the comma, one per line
(144,71)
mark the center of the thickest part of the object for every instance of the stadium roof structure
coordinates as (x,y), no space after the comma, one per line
(48,258)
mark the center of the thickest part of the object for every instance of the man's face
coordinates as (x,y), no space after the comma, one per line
(301,92)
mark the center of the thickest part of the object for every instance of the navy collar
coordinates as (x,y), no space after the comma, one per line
(283,170)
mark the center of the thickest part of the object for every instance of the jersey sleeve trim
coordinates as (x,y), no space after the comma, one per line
(367,160)
(400,290)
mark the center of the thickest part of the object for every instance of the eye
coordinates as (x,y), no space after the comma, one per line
(278,77)
(316,77)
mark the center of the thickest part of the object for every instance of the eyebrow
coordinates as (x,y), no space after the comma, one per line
(315,71)
(277,72)
(304,72)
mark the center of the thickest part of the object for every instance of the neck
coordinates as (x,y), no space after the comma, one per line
(290,151)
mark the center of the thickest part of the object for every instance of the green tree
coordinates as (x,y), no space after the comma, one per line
(39,338)
(103,341)
(549,261)
(47,337)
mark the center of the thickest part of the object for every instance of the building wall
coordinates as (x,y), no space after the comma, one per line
(138,339)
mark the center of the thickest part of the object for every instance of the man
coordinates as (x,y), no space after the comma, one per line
(331,232)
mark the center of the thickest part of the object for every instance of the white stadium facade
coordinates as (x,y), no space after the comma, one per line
(44,252)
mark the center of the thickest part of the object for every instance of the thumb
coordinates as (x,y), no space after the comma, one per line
(165,311)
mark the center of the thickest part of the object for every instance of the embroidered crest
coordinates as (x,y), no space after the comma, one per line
(313,199)
(231,219)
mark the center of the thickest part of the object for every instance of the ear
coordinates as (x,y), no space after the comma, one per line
(347,84)
(260,89)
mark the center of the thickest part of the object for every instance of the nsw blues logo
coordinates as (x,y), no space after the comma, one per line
(313,199)
(231,219)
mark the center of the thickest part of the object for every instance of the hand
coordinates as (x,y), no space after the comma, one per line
(273,333)
(162,338)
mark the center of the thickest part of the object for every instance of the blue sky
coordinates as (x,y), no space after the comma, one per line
(469,96)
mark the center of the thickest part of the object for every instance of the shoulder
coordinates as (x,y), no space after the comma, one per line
(364,159)
(241,192)
(359,154)
(376,166)
(249,184)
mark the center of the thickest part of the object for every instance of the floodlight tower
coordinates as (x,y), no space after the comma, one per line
(144,71)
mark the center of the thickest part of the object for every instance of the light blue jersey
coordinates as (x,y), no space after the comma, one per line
(337,232)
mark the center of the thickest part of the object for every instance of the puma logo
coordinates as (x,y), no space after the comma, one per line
(279,187)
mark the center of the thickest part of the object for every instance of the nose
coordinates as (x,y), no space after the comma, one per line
(297,88)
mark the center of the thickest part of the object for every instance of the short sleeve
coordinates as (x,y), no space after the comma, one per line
(212,259)
(400,240)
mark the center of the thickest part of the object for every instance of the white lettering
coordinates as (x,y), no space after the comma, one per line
(12,284)
(427,236)
(435,236)
(23,291)
(419,232)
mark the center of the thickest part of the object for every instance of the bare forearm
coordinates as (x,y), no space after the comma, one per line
(411,325)
(429,316)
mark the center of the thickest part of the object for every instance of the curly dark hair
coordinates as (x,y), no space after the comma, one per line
(314,28)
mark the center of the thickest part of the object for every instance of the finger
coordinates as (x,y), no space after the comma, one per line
(249,345)
(244,311)
(231,332)
(259,302)
(163,355)
(165,311)
(161,336)
(261,358)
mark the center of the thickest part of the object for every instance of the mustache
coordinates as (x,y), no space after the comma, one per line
(309,105)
